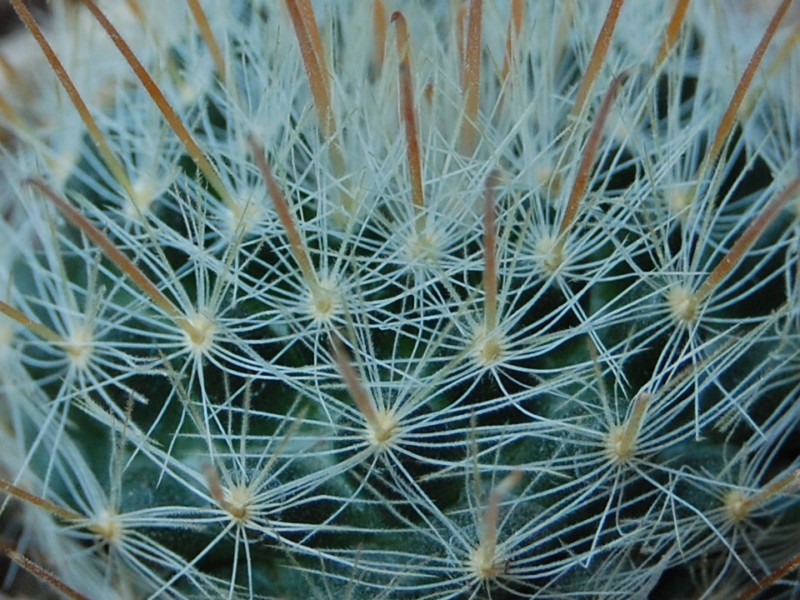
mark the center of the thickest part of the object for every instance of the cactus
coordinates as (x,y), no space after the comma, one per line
(469,300)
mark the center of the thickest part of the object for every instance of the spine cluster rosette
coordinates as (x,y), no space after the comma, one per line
(466,300)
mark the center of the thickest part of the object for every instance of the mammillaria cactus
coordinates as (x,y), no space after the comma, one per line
(469,300)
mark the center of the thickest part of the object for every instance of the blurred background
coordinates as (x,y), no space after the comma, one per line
(9,21)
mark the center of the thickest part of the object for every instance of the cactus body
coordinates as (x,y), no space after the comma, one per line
(496,300)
